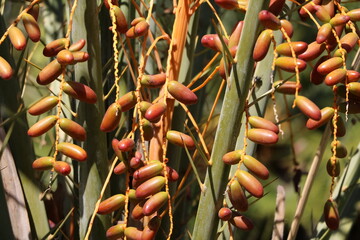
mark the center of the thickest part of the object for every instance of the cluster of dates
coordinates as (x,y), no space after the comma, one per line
(146,196)
(64,56)
(18,39)
(263,132)
(337,36)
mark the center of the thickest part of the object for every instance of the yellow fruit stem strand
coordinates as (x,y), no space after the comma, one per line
(30,56)
(297,73)
(199,75)
(334,142)
(149,11)
(58,113)
(126,210)
(342,50)
(15,22)
(207,80)
(218,18)
(128,59)
(73,8)
(143,59)
(196,5)
(114,85)
(153,44)
(291,133)
(116,51)
(272,90)
(201,138)
(107,180)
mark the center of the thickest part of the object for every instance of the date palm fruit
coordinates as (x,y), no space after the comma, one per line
(259,122)
(127,101)
(181,93)
(65,57)
(349,41)
(42,126)
(331,214)
(275,6)
(269,20)
(150,187)
(310,7)
(333,167)
(313,51)
(155,111)
(17,38)
(49,73)
(250,183)
(132,233)
(354,88)
(6,70)
(331,42)
(111,118)
(213,41)
(113,2)
(136,163)
(31,27)
(225,214)
(62,168)
(340,125)
(286,87)
(34,11)
(151,228)
(288,27)
(144,105)
(126,145)
(116,232)
(316,77)
(326,115)
(354,14)
(73,151)
(227,4)
(341,150)
(80,91)
(180,139)
(352,76)
(339,19)
(288,64)
(148,171)
(172,174)
(137,212)
(335,77)
(330,65)
(233,157)
(237,196)
(148,129)
(262,136)
(73,129)
(262,45)
(80,56)
(223,68)
(120,168)
(256,167)
(153,81)
(43,105)
(285,49)
(322,14)
(308,107)
(324,33)
(139,28)
(154,203)
(121,24)
(43,163)
(242,223)
(329,7)
(77,46)
(235,35)
(111,204)
(54,47)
